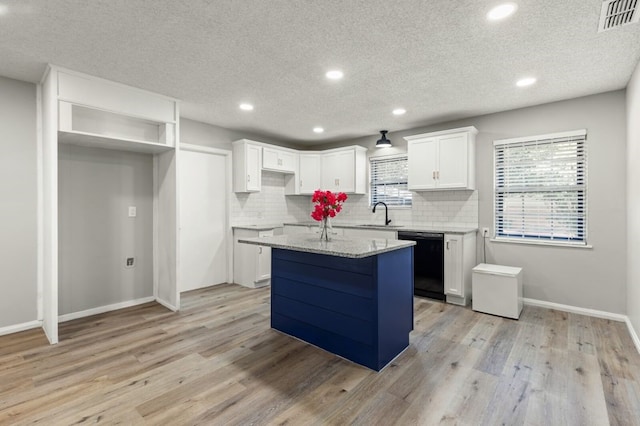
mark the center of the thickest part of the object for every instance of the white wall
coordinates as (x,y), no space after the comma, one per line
(589,278)
(197,133)
(95,188)
(18,192)
(633,199)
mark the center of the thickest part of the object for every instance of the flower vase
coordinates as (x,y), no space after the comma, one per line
(325,227)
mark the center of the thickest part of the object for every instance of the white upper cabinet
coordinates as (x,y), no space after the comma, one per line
(247,166)
(100,113)
(442,160)
(345,170)
(310,171)
(279,160)
(340,169)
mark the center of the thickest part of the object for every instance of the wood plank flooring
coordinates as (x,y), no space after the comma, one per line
(217,362)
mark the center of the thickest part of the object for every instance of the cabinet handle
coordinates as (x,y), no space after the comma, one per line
(260,250)
(438,174)
(447,245)
(300,183)
(248,178)
(279,162)
(337,182)
(433,175)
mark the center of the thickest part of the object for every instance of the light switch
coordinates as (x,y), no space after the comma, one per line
(132,211)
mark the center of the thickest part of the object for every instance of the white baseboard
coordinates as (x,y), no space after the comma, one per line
(575,310)
(103,309)
(20,327)
(634,335)
(166,304)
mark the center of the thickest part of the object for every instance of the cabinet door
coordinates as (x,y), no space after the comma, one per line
(330,179)
(253,167)
(423,163)
(453,166)
(278,160)
(263,270)
(287,161)
(345,166)
(339,171)
(263,258)
(309,173)
(453,283)
(270,158)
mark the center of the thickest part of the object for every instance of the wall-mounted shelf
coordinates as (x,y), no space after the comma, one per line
(106,142)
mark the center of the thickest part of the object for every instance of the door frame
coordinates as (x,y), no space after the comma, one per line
(227,195)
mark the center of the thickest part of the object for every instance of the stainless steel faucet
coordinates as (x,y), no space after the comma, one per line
(386,212)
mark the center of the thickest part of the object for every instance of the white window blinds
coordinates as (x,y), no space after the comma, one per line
(541,188)
(389,180)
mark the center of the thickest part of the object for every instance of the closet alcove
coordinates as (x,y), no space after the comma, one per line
(108,179)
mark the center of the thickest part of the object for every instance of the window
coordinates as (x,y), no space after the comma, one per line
(389,180)
(541,188)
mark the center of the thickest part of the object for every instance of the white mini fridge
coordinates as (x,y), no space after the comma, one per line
(497,290)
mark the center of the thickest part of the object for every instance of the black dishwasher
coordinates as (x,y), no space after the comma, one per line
(428,263)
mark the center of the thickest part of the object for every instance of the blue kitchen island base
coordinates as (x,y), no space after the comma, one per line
(358,308)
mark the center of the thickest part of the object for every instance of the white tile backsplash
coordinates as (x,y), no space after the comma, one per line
(450,208)
(270,205)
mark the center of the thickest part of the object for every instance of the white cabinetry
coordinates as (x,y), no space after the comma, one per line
(247,166)
(251,263)
(84,110)
(442,160)
(310,172)
(344,170)
(459,259)
(279,160)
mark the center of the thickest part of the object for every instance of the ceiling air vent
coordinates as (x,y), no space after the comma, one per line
(616,13)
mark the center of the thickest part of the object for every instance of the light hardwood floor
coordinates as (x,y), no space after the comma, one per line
(218,362)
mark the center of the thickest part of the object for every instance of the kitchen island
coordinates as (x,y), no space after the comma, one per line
(351,297)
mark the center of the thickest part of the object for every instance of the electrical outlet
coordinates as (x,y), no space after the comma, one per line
(132,211)
(130,262)
(485,232)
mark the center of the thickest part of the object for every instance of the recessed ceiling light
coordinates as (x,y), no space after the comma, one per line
(3,9)
(502,11)
(334,74)
(399,111)
(524,82)
(246,107)
(318,130)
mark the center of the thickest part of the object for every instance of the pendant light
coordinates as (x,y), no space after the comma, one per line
(383,142)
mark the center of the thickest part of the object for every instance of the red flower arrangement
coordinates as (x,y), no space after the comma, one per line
(328,204)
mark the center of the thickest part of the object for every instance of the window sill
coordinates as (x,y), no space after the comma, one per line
(540,243)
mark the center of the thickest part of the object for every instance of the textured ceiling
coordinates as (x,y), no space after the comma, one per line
(439,59)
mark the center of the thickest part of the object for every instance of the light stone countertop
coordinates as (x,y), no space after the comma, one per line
(266,227)
(408,228)
(341,247)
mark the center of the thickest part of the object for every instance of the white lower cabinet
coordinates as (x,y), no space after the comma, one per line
(459,259)
(251,263)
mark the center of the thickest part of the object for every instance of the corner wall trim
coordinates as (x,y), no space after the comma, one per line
(634,335)
(103,309)
(20,327)
(166,304)
(575,310)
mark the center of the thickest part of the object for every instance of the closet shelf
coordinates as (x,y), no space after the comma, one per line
(119,143)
